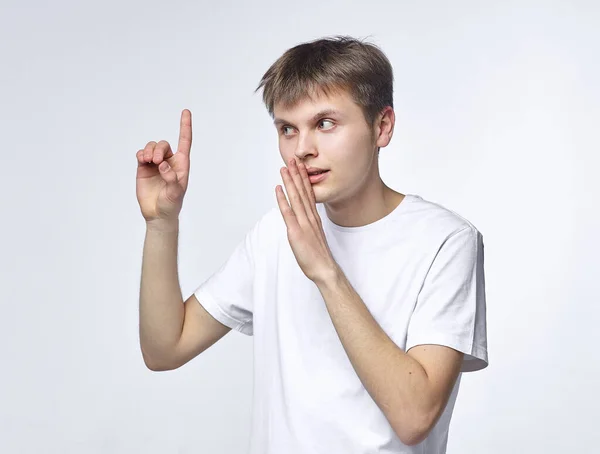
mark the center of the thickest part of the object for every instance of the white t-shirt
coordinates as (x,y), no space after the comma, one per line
(419,270)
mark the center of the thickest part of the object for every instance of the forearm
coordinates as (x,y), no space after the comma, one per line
(396,381)
(161,302)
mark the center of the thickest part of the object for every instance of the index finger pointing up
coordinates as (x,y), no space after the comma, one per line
(185,132)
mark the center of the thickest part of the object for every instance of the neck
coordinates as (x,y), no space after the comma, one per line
(374,202)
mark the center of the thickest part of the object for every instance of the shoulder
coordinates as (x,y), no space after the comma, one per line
(272,221)
(434,220)
(268,227)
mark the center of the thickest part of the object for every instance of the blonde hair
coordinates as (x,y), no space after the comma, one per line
(329,65)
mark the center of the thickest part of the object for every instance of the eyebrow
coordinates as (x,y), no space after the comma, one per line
(322,113)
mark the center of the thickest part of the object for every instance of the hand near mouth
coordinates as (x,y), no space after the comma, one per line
(304,226)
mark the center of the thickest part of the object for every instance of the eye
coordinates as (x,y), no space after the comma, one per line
(284,128)
(327,121)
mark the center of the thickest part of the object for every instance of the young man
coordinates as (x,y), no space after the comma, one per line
(366,304)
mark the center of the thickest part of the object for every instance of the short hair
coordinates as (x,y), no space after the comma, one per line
(329,65)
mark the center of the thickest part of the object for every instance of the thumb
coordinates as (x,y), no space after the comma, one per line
(168,174)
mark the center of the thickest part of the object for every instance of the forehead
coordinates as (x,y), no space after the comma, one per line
(339,102)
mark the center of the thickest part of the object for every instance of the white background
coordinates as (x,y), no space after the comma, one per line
(497,107)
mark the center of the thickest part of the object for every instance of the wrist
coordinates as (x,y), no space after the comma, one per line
(162,225)
(331,278)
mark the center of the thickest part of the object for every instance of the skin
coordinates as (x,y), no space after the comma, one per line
(353,192)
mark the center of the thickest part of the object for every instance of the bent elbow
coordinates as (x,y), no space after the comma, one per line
(414,438)
(415,433)
(156,366)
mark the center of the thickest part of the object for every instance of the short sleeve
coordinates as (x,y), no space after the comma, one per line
(451,305)
(228,293)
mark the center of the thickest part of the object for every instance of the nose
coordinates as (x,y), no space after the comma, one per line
(305,146)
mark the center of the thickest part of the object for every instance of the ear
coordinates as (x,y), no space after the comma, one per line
(385,126)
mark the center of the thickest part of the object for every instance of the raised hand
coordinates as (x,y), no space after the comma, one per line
(304,226)
(162,177)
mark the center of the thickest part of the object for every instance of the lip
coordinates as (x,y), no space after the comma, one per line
(318,178)
(314,169)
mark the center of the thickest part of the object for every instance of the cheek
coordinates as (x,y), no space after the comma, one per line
(335,146)
(286,151)
(344,148)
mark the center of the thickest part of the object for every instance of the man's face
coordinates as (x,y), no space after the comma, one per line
(330,133)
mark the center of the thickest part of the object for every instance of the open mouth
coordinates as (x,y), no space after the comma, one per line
(316,177)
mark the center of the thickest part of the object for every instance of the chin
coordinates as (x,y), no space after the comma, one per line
(319,196)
